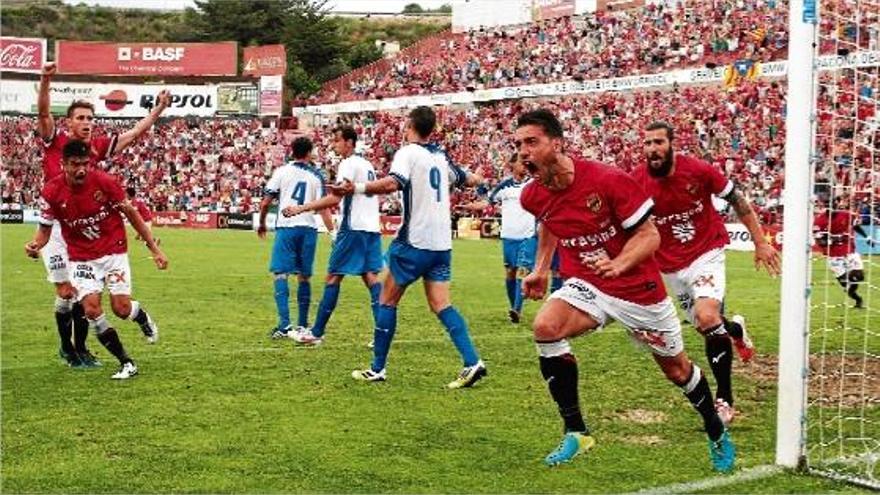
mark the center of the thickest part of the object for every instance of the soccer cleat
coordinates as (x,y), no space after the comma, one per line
(513,315)
(70,358)
(368,375)
(306,338)
(744,346)
(469,375)
(572,445)
(88,360)
(722,452)
(281,333)
(150,329)
(127,371)
(725,411)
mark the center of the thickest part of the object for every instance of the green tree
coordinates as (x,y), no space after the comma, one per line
(413,8)
(259,22)
(363,53)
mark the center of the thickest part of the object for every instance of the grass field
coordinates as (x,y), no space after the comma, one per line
(218,407)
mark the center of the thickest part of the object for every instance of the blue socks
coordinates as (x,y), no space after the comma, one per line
(511,290)
(386,325)
(556,284)
(375,290)
(325,309)
(282,295)
(458,332)
(518,297)
(303,299)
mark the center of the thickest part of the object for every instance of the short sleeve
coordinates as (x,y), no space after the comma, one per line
(628,200)
(113,189)
(51,141)
(47,212)
(497,194)
(720,185)
(104,146)
(401,166)
(457,176)
(318,186)
(345,172)
(527,199)
(273,186)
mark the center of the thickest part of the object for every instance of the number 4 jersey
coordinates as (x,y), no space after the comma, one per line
(91,223)
(295,184)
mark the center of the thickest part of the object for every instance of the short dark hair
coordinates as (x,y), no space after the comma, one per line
(80,104)
(543,118)
(348,133)
(75,149)
(130,191)
(659,124)
(423,120)
(301,147)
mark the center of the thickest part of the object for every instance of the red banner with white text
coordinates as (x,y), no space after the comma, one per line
(189,220)
(144,59)
(269,60)
(22,54)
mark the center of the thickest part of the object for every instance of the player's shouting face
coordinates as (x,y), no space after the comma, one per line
(79,120)
(658,151)
(76,168)
(538,152)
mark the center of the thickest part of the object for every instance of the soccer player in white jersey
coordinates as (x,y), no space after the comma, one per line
(518,239)
(296,236)
(423,247)
(358,246)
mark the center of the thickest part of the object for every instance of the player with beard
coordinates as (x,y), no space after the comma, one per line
(80,126)
(691,254)
(598,218)
(833,230)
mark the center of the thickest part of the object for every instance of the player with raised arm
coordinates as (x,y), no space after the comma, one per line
(296,236)
(834,230)
(691,254)
(358,246)
(423,248)
(69,316)
(518,239)
(599,219)
(89,205)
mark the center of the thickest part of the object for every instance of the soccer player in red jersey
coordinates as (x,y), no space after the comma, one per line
(89,204)
(598,218)
(833,230)
(80,115)
(691,254)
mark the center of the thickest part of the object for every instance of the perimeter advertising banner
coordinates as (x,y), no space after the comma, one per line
(271,90)
(146,59)
(269,60)
(551,9)
(22,54)
(237,98)
(618,5)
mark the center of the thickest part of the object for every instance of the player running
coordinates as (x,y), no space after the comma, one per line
(833,230)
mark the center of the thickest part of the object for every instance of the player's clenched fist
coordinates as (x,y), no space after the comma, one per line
(49,70)
(160,259)
(534,286)
(32,249)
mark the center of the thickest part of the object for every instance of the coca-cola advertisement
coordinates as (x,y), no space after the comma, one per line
(22,54)
(147,59)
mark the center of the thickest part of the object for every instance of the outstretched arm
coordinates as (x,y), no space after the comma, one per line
(45,121)
(320,204)
(136,221)
(128,137)
(765,254)
(41,238)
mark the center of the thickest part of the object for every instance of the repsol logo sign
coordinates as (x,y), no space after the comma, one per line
(739,236)
(180,101)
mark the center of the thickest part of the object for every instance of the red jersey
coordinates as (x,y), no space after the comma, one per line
(100,148)
(688,223)
(837,228)
(90,221)
(592,218)
(143,209)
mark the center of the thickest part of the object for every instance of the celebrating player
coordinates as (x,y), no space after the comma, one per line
(518,239)
(87,204)
(80,116)
(833,230)
(296,236)
(358,246)
(423,247)
(601,219)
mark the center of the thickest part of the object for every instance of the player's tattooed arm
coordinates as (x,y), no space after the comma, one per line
(765,255)
(45,121)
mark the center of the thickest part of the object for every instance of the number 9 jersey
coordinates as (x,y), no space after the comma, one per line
(425,174)
(295,184)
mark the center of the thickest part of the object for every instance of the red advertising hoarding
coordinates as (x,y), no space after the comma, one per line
(184,219)
(143,59)
(22,54)
(551,9)
(618,5)
(269,60)
(390,224)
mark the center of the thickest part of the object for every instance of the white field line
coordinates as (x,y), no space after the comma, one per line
(744,476)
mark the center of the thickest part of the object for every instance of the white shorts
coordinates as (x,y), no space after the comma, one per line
(54,255)
(112,271)
(841,265)
(654,326)
(705,277)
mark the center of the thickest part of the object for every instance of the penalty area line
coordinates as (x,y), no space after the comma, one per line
(744,476)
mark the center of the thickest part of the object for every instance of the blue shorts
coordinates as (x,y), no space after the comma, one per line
(408,264)
(355,253)
(294,250)
(519,253)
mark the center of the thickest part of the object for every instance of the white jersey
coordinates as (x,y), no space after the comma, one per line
(425,174)
(516,222)
(359,211)
(295,184)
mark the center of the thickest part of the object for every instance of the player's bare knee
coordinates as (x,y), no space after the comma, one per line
(65,290)
(677,369)
(547,329)
(121,307)
(706,317)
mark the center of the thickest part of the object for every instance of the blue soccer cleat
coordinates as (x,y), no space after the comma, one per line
(572,445)
(723,453)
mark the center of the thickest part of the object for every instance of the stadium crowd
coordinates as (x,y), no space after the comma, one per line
(605,44)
